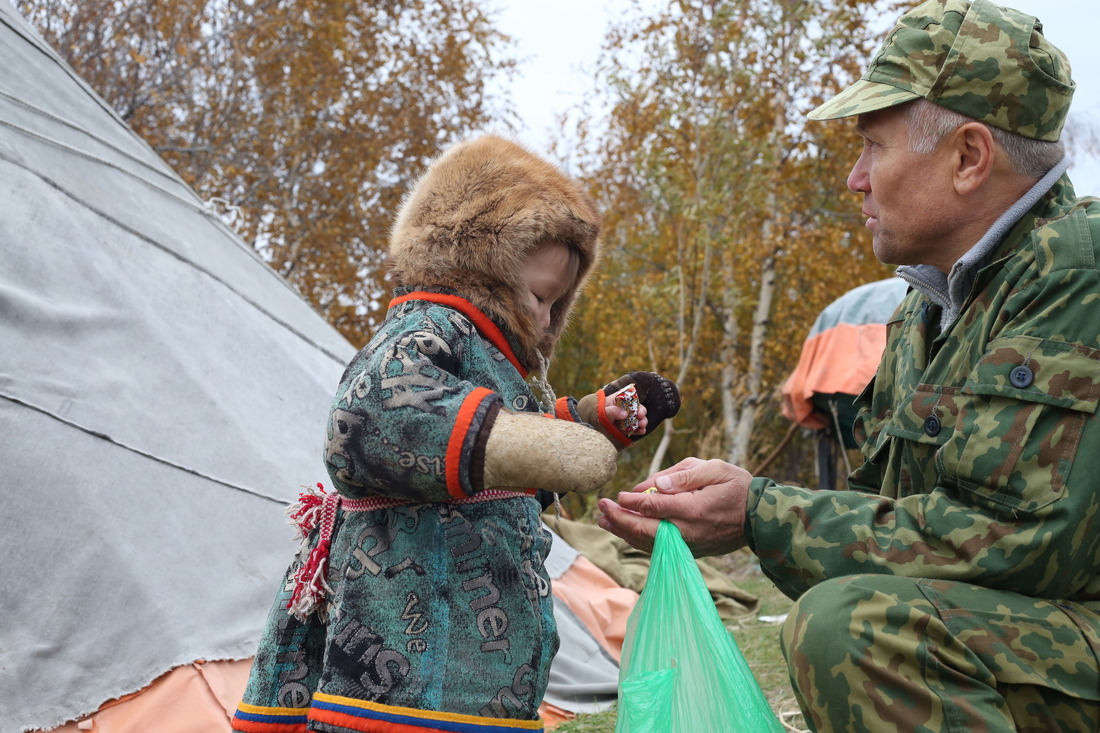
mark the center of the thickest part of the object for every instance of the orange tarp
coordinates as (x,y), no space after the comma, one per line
(197,698)
(598,601)
(191,698)
(841,360)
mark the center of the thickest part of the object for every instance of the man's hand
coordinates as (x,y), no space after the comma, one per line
(706,500)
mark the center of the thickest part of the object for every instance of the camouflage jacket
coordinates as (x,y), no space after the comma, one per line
(981,443)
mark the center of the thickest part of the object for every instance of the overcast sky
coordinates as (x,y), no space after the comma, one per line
(559,42)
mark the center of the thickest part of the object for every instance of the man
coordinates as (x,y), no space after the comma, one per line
(956,586)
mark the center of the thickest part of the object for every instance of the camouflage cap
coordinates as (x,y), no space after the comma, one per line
(981,60)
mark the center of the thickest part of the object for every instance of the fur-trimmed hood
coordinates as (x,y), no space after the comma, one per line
(470,222)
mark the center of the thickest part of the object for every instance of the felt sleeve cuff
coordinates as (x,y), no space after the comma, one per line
(477,457)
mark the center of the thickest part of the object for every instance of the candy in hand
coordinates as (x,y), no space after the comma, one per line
(628,400)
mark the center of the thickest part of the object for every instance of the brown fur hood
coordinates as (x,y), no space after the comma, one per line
(469,223)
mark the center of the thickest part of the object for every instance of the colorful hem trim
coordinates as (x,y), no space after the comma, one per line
(257,719)
(363,716)
(468,309)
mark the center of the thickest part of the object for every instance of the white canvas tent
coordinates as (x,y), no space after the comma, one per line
(163,396)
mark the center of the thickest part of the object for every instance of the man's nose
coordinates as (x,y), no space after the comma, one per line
(858,179)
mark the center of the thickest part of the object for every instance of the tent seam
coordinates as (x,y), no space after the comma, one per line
(138,451)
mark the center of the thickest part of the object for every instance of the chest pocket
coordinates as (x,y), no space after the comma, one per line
(906,439)
(1018,422)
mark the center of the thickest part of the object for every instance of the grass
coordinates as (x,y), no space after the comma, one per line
(594,723)
(758,641)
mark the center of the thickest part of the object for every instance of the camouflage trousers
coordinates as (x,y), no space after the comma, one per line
(882,652)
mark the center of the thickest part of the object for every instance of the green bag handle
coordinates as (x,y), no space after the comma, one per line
(681,670)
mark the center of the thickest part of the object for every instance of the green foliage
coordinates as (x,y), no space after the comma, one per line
(594,723)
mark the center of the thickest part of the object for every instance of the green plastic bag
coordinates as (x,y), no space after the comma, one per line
(681,670)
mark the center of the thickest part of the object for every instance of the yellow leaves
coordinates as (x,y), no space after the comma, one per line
(310,116)
(707,169)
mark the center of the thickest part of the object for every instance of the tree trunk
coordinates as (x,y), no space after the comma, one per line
(770,231)
(662,447)
(739,451)
(729,372)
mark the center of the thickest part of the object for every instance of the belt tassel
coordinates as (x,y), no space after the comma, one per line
(316,509)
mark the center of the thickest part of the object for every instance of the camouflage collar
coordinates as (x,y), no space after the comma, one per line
(950,291)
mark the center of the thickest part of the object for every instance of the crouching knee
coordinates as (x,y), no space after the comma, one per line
(818,631)
(835,638)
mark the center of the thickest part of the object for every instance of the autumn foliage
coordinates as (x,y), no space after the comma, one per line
(729,225)
(303,120)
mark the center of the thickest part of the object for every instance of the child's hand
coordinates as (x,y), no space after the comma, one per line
(657,395)
(627,411)
(658,399)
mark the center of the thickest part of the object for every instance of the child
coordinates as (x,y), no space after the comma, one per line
(420,601)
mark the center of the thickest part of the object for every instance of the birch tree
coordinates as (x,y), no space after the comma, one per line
(729,224)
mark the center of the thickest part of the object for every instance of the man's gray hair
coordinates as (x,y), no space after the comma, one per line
(929,122)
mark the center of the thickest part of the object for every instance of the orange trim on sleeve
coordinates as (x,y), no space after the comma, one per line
(468,309)
(465,416)
(607,423)
(561,409)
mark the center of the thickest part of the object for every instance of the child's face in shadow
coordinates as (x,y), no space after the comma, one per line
(548,274)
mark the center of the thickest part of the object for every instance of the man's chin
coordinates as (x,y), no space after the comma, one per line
(883,251)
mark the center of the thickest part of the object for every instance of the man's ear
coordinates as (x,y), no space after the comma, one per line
(973,152)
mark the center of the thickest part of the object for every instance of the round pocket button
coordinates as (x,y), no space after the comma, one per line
(1021,377)
(932,426)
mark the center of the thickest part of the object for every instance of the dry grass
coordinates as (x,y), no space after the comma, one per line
(759,643)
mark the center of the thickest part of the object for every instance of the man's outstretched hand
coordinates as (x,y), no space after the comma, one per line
(706,500)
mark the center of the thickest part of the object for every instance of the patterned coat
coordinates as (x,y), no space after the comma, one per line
(420,600)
